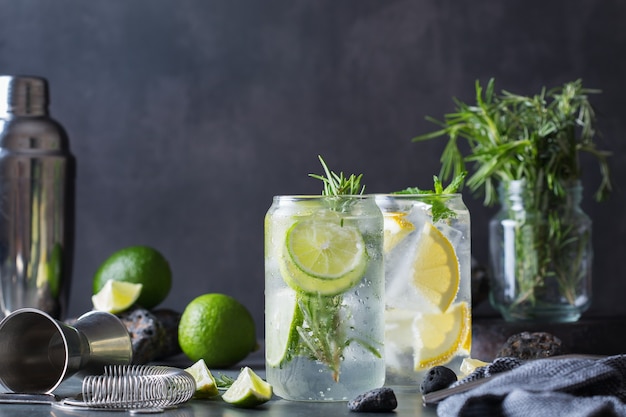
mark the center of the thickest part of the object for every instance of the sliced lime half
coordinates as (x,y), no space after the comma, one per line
(248,390)
(323,257)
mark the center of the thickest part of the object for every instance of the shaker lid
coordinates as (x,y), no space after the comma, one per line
(23,95)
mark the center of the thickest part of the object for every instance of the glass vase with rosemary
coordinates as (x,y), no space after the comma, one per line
(524,152)
(324,285)
(540,255)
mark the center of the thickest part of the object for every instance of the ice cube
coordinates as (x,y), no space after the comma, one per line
(452,234)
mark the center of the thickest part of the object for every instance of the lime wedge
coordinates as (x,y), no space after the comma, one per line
(205,383)
(284,318)
(248,390)
(116,296)
(323,257)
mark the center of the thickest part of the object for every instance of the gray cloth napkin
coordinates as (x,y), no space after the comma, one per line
(544,387)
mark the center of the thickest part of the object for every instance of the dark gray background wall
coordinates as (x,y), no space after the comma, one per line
(186,117)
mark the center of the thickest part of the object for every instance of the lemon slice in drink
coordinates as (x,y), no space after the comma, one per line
(436,268)
(284,322)
(248,390)
(439,336)
(205,382)
(396,228)
(323,257)
(116,296)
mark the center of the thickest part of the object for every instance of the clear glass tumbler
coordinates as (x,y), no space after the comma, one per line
(324,306)
(427,284)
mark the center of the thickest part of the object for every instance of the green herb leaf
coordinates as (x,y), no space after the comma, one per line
(339,184)
(438,199)
(512,137)
(224,381)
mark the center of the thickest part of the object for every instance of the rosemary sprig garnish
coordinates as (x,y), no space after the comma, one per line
(437,196)
(224,382)
(322,332)
(339,184)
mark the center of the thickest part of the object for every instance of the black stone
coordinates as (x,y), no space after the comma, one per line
(438,378)
(376,400)
(153,335)
(169,320)
(527,345)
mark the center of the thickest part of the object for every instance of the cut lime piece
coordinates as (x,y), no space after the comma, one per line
(284,320)
(116,296)
(206,386)
(248,390)
(436,268)
(323,257)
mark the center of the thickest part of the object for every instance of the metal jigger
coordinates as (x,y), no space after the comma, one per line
(37,352)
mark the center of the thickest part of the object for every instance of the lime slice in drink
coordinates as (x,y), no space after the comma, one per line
(248,390)
(323,257)
(205,382)
(284,318)
(116,296)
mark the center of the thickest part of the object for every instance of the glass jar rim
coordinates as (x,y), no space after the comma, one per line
(321,197)
(408,196)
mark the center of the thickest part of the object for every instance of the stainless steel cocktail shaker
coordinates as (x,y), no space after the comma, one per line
(36,200)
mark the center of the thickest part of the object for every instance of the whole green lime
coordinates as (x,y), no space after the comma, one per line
(140,265)
(216,328)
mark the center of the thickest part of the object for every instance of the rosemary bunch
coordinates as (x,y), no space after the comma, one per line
(537,140)
(514,137)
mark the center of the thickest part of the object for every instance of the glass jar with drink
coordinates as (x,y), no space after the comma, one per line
(427,283)
(324,285)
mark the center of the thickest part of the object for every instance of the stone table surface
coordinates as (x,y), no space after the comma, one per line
(409,402)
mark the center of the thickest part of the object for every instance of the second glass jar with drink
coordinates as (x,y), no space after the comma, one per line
(427,284)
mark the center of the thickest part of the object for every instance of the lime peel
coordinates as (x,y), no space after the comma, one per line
(248,390)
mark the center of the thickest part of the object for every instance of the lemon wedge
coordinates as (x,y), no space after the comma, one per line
(436,268)
(205,382)
(248,390)
(439,336)
(116,296)
(396,228)
(469,365)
